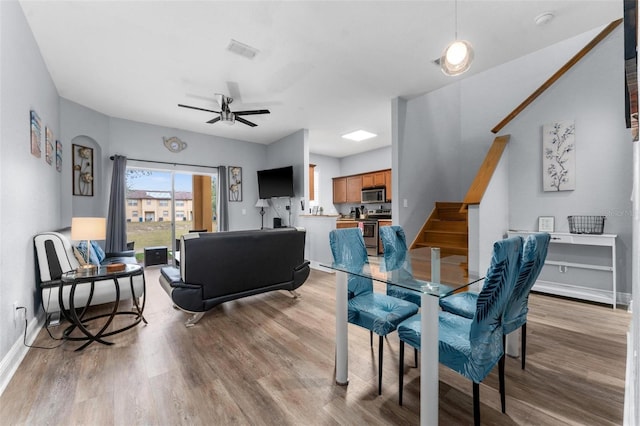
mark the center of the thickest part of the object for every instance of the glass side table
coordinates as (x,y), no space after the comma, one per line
(100,277)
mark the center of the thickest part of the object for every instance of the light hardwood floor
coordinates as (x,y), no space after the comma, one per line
(269,360)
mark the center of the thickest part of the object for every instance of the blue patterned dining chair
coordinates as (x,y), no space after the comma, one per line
(473,346)
(394,244)
(534,254)
(375,312)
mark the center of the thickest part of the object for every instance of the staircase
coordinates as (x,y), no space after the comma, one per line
(446,228)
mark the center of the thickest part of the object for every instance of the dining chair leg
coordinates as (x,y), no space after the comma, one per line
(503,395)
(415,357)
(523,332)
(381,341)
(370,338)
(401,373)
(476,404)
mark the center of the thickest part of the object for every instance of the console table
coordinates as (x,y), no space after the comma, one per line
(560,261)
(78,320)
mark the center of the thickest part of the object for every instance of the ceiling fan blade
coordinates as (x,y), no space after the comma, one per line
(199,109)
(252,112)
(213,120)
(243,121)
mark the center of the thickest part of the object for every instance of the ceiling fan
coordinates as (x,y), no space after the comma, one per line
(225,114)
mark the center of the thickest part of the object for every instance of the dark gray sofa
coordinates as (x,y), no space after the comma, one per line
(216,267)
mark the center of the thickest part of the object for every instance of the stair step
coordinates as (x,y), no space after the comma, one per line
(446,250)
(457,239)
(452,215)
(447,225)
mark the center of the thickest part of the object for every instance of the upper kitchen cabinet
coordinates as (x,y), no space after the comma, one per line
(348,189)
(373,179)
(339,190)
(387,184)
(354,189)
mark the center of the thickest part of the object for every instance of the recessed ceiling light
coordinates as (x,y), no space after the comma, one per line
(242,49)
(359,135)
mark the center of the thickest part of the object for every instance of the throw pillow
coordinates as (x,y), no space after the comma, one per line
(79,256)
(95,247)
(82,248)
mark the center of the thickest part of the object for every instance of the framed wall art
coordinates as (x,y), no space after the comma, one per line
(82,160)
(559,156)
(36,129)
(48,145)
(235,183)
(58,156)
(546,224)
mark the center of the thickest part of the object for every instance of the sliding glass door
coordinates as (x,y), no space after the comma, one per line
(164,205)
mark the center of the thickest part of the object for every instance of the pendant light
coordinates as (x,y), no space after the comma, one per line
(458,55)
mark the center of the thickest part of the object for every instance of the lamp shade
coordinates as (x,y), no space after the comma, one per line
(456,58)
(262,203)
(88,228)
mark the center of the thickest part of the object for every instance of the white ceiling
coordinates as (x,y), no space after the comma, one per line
(329,66)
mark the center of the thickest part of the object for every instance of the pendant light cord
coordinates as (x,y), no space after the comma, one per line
(455,11)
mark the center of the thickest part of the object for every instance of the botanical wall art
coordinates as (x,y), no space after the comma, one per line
(82,170)
(559,156)
(235,183)
(58,156)
(48,145)
(35,135)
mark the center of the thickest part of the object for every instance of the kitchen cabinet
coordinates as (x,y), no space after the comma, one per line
(340,224)
(347,189)
(373,179)
(339,190)
(354,189)
(387,184)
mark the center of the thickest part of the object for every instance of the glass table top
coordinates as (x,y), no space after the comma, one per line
(417,269)
(98,272)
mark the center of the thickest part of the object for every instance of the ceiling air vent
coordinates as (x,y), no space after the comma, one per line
(242,49)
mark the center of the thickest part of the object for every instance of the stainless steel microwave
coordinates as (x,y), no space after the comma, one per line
(373,195)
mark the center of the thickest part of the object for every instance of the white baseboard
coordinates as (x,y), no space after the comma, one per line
(583,293)
(10,363)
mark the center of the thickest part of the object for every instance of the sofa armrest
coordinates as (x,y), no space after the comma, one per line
(172,275)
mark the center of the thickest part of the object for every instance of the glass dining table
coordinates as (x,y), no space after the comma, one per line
(424,271)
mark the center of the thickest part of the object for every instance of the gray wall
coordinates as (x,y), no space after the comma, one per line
(453,125)
(292,150)
(369,161)
(30,189)
(326,169)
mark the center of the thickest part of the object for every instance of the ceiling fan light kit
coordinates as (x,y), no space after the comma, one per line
(225,114)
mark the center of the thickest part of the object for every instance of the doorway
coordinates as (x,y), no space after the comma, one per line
(163,205)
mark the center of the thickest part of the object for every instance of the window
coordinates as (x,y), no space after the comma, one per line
(132,202)
(134,214)
(163,203)
(179,203)
(180,215)
(165,213)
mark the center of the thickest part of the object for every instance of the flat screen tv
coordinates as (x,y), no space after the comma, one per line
(275,182)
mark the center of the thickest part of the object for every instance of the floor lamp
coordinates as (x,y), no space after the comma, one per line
(88,228)
(262,203)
